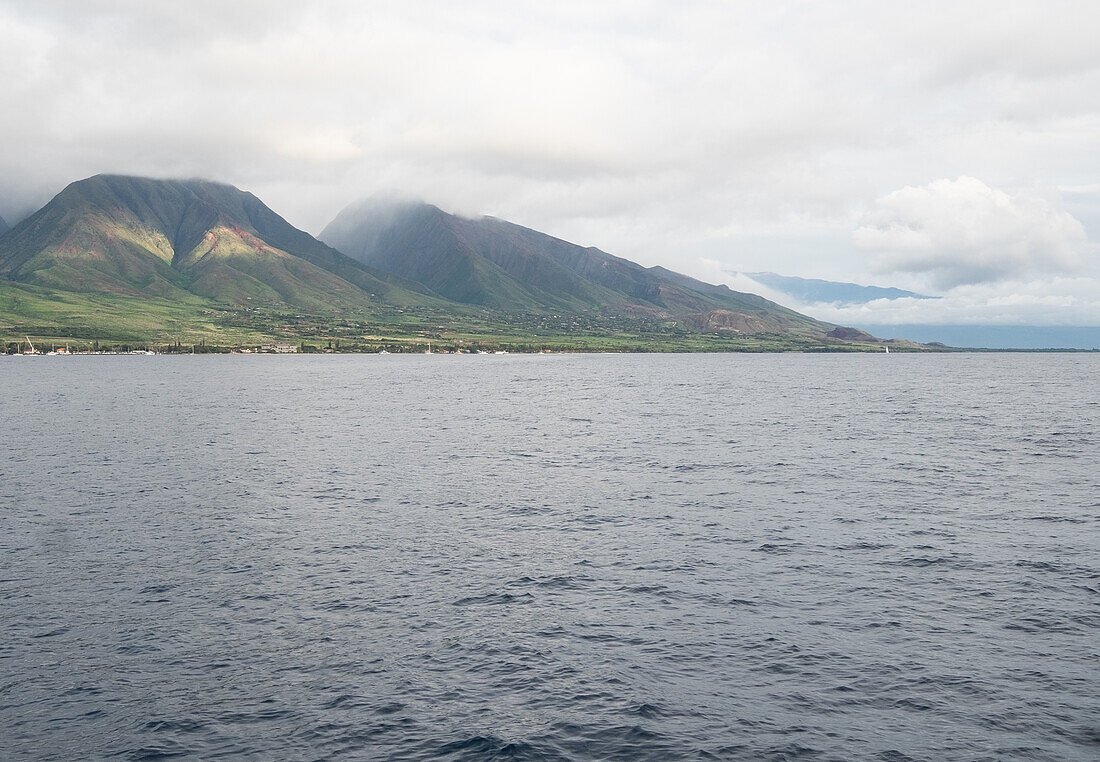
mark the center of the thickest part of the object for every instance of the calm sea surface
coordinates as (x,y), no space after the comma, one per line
(587,557)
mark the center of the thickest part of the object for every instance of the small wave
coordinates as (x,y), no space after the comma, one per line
(789,752)
(771,547)
(561,582)
(1086,736)
(164,588)
(52,633)
(914,704)
(1038,565)
(174,726)
(646,590)
(492,748)
(167,750)
(647,710)
(589,519)
(344,701)
(1036,625)
(893,755)
(919,561)
(494,599)
(249,718)
(138,648)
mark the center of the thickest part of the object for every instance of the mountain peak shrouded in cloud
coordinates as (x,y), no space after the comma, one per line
(493,263)
(197,247)
(961,232)
(178,239)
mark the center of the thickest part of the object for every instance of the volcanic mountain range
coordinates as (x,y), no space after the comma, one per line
(210,243)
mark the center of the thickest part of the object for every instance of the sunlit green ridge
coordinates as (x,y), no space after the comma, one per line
(127,258)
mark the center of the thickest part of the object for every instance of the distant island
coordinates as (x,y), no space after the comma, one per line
(124,263)
(815,290)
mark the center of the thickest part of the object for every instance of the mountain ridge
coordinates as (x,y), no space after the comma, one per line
(493,263)
(128,252)
(168,238)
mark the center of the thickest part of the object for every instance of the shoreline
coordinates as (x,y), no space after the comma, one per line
(220,351)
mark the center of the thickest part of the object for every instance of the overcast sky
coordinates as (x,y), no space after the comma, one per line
(952,148)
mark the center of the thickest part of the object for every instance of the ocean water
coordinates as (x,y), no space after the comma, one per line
(569,557)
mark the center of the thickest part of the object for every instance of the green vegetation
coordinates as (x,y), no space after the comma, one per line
(499,265)
(123,262)
(183,239)
(55,315)
(112,321)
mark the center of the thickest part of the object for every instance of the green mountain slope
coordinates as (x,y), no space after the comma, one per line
(425,244)
(174,239)
(124,259)
(498,264)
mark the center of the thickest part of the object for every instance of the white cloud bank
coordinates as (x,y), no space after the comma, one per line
(1056,301)
(757,134)
(753,132)
(962,232)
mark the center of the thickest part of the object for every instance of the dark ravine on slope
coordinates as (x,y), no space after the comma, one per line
(185,239)
(497,264)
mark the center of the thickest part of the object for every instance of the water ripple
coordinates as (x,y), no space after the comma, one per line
(712,557)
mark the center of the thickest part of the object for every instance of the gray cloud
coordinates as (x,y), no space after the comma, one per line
(961,232)
(759,135)
(1051,301)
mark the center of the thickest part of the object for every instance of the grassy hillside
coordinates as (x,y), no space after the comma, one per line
(55,317)
(175,239)
(124,260)
(48,313)
(497,264)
